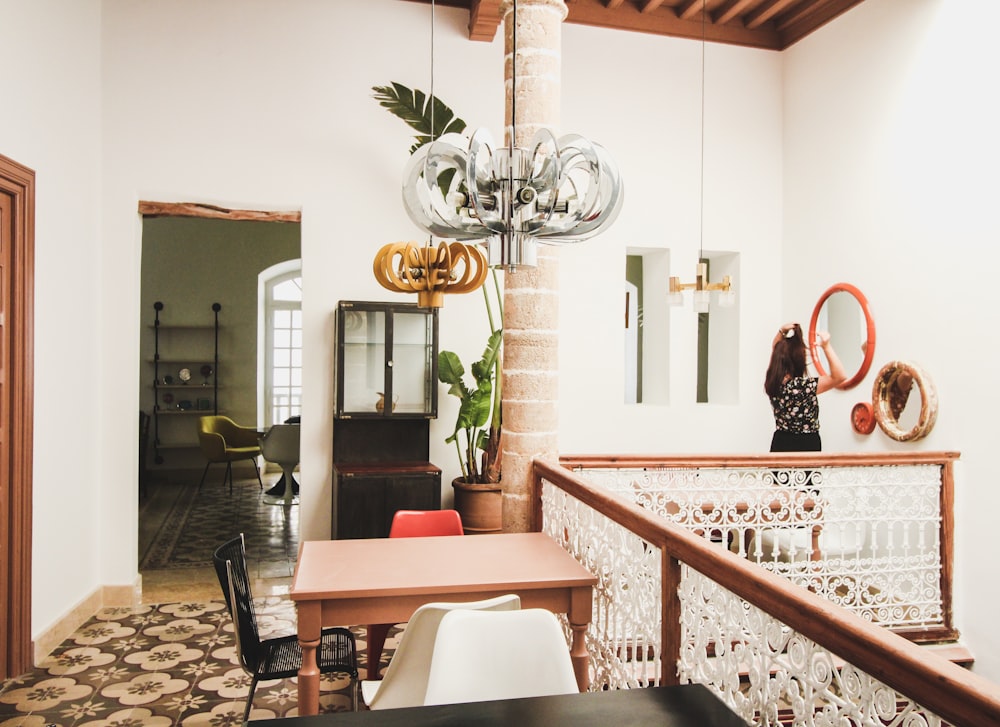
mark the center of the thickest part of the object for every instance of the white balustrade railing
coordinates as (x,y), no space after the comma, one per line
(867,538)
(671,608)
(624,637)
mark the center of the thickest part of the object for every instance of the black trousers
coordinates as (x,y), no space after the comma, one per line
(783,441)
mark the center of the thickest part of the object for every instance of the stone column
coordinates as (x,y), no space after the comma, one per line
(531,295)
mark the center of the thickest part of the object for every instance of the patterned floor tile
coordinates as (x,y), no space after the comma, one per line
(175,664)
(197,520)
(158,666)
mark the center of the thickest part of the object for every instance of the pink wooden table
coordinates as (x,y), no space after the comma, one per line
(384,580)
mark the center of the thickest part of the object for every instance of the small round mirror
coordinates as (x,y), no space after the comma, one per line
(843,311)
(905,401)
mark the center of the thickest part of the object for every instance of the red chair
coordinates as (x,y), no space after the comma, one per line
(410,524)
(424,523)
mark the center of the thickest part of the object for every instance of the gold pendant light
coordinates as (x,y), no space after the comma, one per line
(430,272)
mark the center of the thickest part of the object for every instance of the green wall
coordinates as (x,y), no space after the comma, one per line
(633,274)
(188,264)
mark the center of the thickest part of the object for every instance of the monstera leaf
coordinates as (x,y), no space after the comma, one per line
(417,109)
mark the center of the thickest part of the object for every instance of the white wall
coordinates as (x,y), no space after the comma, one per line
(51,123)
(252,103)
(891,155)
(651,123)
(263,104)
(259,104)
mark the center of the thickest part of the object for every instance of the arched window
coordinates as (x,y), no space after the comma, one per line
(281,288)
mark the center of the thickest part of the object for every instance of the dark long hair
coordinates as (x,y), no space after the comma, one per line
(788,358)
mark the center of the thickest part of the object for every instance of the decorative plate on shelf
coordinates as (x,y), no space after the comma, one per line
(184,375)
(353,320)
(863,418)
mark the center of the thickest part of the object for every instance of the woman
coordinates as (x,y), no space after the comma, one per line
(793,394)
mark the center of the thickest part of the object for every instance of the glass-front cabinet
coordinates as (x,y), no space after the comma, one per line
(386,360)
(386,381)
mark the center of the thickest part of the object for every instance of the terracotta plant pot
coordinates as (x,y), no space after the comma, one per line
(480,505)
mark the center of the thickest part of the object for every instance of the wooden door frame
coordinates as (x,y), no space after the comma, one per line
(18,182)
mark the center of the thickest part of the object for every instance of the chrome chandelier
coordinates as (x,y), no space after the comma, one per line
(556,191)
(509,197)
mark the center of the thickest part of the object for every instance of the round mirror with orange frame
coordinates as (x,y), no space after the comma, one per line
(843,311)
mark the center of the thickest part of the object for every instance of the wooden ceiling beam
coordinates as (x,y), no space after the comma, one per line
(767,12)
(628,17)
(650,5)
(484,19)
(769,24)
(734,11)
(691,9)
(799,25)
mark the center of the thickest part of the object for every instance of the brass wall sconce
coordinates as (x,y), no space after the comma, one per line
(702,290)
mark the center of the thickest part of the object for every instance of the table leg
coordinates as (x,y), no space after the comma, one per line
(580,612)
(376,636)
(309,628)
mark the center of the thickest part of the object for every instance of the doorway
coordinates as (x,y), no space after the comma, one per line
(200,269)
(17,275)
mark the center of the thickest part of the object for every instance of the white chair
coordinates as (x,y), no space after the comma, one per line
(405,681)
(481,656)
(280,444)
(845,534)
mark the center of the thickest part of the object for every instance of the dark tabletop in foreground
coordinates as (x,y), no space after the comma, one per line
(689,705)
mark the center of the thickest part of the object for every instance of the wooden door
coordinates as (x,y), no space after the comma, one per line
(5,604)
(17,185)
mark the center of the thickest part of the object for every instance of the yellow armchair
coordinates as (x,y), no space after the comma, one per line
(223,440)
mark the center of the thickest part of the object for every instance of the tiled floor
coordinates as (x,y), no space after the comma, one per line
(171,664)
(201,519)
(172,661)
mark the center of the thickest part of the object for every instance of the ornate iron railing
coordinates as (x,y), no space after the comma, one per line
(868,536)
(672,607)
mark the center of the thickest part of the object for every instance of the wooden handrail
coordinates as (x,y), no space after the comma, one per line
(769,459)
(950,691)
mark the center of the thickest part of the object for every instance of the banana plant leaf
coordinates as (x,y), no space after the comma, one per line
(417,109)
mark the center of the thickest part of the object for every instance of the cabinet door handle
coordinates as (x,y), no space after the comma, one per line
(389,364)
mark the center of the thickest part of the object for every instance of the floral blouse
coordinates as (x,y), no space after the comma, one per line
(796,408)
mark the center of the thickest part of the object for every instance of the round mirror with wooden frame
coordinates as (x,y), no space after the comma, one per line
(895,394)
(844,313)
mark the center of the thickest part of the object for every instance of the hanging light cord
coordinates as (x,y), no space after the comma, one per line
(432,69)
(430,237)
(701,200)
(513,121)
(513,80)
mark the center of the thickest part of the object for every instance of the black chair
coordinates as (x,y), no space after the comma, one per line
(276,658)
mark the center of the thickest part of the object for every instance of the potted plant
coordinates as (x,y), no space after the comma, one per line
(477,435)
(478,496)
